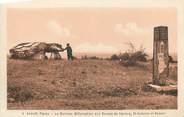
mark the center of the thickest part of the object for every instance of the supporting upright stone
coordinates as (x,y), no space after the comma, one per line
(160,55)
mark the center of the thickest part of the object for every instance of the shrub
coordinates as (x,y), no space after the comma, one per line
(85,57)
(94,57)
(131,57)
(114,57)
(139,56)
(125,56)
(171,60)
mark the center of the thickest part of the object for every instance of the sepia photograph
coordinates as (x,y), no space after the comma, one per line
(91,58)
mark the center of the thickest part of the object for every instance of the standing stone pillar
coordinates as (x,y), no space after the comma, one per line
(160,55)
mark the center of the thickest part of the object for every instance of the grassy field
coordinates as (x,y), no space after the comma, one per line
(84,84)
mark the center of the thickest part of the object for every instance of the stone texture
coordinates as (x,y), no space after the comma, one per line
(160,55)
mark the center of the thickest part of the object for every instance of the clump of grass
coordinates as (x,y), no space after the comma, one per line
(19,94)
(117,91)
(85,57)
(81,90)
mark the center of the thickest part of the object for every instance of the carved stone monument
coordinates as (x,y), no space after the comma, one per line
(160,55)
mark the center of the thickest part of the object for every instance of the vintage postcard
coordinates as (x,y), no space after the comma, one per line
(92,58)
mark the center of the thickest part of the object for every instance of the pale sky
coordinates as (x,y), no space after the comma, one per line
(96,30)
